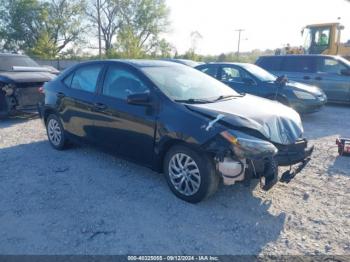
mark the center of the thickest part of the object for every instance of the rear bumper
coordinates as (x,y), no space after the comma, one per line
(293,154)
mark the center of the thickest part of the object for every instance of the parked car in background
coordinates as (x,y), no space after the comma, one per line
(187,62)
(176,120)
(251,79)
(330,73)
(21,83)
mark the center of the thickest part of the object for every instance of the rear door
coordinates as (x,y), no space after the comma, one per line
(331,80)
(125,129)
(299,68)
(271,64)
(78,109)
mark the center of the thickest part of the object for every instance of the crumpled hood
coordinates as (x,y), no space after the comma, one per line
(27,77)
(278,123)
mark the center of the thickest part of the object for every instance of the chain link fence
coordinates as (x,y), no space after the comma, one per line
(59,64)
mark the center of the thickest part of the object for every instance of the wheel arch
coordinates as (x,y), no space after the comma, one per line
(170,143)
(164,148)
(48,111)
(279,97)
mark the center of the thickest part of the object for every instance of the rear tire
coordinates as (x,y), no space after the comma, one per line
(55,132)
(4,107)
(191,175)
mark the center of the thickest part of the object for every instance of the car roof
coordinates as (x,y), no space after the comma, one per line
(11,55)
(187,62)
(301,55)
(226,63)
(139,63)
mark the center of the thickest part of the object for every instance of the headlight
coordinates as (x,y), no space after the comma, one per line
(245,146)
(304,95)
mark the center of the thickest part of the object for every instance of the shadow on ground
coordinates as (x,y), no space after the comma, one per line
(82,201)
(340,166)
(17,119)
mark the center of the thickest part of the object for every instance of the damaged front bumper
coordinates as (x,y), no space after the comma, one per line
(236,170)
(233,171)
(289,155)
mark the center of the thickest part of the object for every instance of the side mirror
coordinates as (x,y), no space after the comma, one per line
(248,81)
(345,72)
(140,99)
(282,80)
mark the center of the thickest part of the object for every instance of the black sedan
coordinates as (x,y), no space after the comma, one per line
(175,120)
(251,79)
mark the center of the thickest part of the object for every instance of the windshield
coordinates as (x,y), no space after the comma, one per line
(343,60)
(8,62)
(185,83)
(316,39)
(307,39)
(260,73)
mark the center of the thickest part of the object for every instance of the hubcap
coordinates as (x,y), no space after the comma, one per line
(184,174)
(54,132)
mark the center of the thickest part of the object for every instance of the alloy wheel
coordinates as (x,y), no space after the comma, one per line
(184,174)
(54,131)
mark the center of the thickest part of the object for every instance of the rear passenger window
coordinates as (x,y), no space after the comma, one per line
(85,78)
(270,63)
(231,74)
(210,70)
(299,64)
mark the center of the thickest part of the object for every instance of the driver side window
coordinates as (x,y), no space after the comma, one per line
(330,66)
(231,75)
(120,83)
(235,75)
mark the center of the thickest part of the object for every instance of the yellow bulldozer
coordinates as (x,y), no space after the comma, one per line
(321,39)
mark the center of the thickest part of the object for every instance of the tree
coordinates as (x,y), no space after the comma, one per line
(191,53)
(195,37)
(143,23)
(44,48)
(110,19)
(163,49)
(21,23)
(41,28)
(63,25)
(222,58)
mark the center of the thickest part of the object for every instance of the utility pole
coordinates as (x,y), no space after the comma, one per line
(98,5)
(239,40)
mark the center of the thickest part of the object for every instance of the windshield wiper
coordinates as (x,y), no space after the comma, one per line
(207,100)
(226,97)
(194,101)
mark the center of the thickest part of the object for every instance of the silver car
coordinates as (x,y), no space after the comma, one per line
(330,73)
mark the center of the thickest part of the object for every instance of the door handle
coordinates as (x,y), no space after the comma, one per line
(60,95)
(318,78)
(100,106)
(307,78)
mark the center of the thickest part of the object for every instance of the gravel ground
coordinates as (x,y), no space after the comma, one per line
(82,201)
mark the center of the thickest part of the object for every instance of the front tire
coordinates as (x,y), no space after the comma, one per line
(190,175)
(55,132)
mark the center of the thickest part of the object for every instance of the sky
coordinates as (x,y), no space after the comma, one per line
(268,24)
